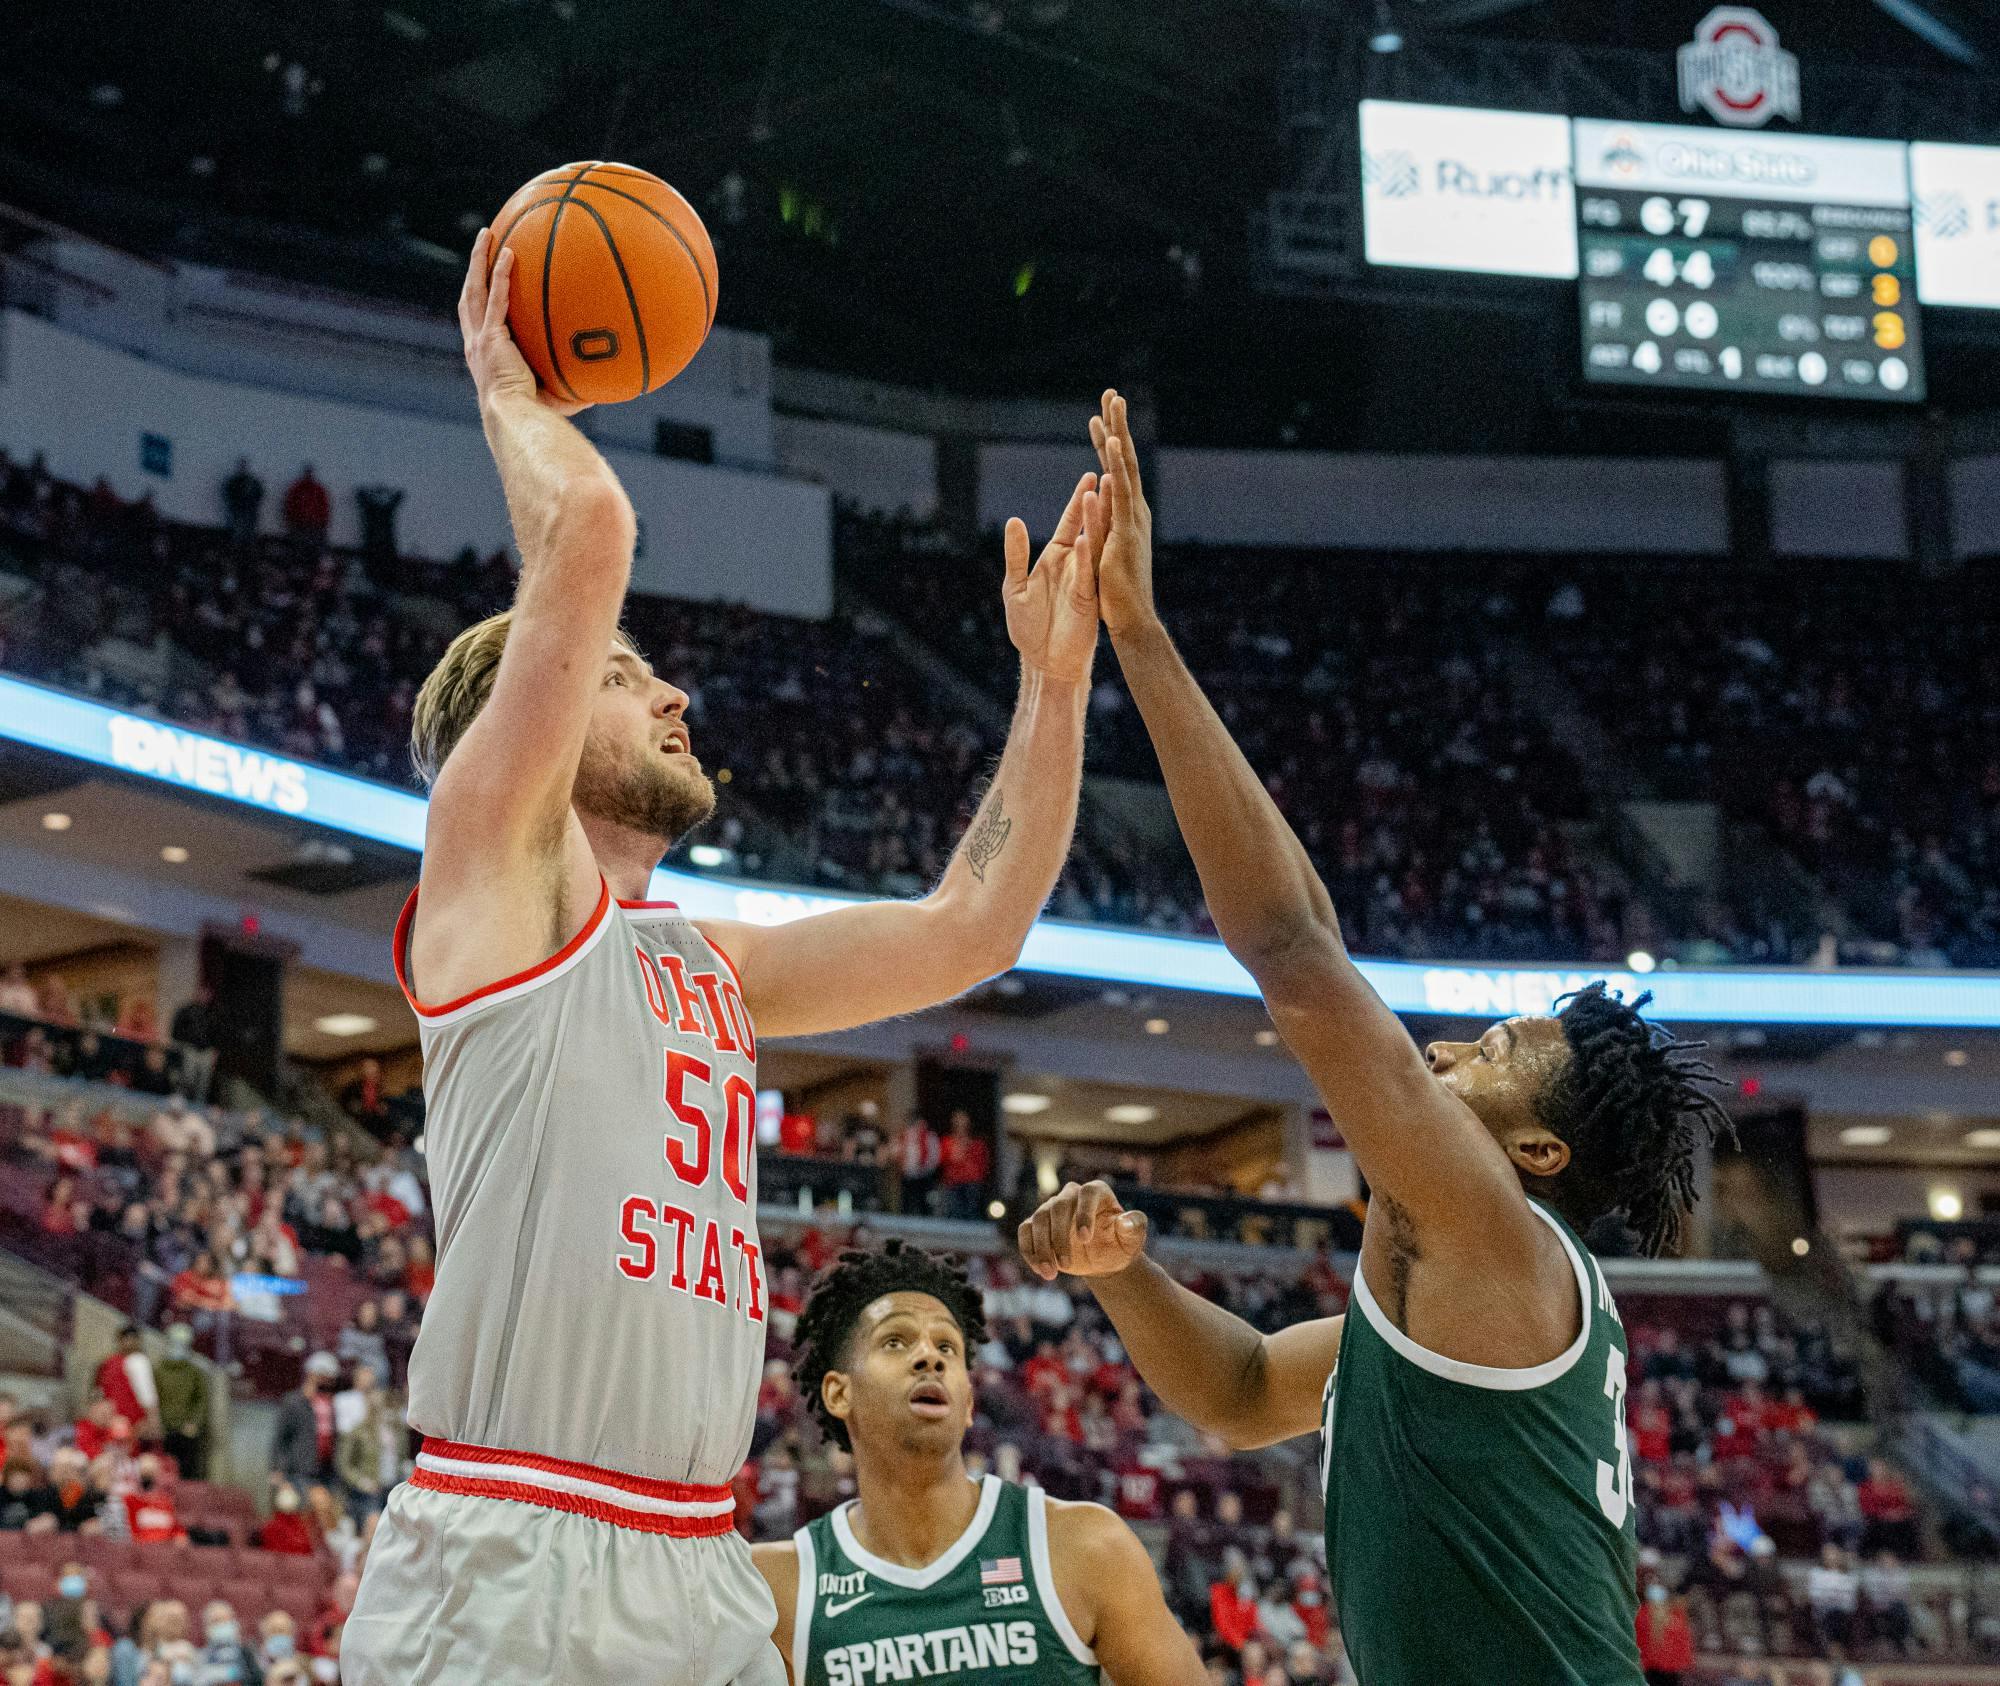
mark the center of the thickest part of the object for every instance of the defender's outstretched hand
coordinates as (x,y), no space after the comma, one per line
(498,368)
(1052,611)
(1083,1231)
(1125,564)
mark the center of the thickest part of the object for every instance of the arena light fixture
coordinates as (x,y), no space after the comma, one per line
(1640,961)
(1025,1105)
(1865,1135)
(1947,1205)
(1387,37)
(1957,1057)
(1267,1039)
(56,822)
(344,1024)
(1157,1027)
(996,1209)
(173,854)
(1131,1112)
(707,854)
(1982,1138)
(1800,1246)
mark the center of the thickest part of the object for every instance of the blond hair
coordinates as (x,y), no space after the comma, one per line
(457,689)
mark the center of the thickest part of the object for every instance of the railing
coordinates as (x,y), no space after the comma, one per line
(187,1071)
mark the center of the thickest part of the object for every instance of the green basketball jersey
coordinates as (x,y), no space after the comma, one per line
(986,1610)
(1479,1522)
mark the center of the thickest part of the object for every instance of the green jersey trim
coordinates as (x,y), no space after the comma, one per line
(897,1574)
(1499,1380)
(804,1600)
(1045,1577)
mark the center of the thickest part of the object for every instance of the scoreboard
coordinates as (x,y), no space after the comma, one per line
(1773,263)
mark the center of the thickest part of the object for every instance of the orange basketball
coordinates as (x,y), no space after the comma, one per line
(614,280)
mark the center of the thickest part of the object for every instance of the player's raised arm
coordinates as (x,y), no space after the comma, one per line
(1412,1138)
(1207,1365)
(860,964)
(499,809)
(1124,1616)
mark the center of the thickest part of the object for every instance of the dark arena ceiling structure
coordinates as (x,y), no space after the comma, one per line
(991,196)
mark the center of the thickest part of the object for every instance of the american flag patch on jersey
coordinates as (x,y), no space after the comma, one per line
(999,1571)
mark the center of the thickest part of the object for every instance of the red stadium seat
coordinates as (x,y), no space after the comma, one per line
(35,1581)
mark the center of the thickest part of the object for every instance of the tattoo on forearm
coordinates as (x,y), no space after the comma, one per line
(986,839)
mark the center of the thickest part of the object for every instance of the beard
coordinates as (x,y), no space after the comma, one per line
(644,791)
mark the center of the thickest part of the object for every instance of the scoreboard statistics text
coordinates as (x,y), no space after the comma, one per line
(1773,263)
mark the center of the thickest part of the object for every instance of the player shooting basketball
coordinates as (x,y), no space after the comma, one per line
(586,1378)
(1478,1486)
(928,1574)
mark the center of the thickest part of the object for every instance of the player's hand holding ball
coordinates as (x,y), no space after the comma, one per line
(499,371)
(595,284)
(1084,1231)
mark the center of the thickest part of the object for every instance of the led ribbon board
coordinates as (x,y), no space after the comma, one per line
(237,773)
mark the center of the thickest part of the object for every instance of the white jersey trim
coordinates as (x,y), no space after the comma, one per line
(552,1481)
(1045,1577)
(934,1571)
(803,1601)
(1495,1379)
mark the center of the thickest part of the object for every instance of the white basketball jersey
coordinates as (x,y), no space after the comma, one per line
(591,1136)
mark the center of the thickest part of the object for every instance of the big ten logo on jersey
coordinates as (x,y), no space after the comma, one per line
(699,1094)
(997,1596)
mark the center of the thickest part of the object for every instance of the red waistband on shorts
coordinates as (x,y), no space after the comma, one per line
(683,1509)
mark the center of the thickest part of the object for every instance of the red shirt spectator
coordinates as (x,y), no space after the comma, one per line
(420,1277)
(1666,1642)
(1309,1605)
(1043,1371)
(151,1517)
(73,1151)
(1791,1414)
(126,1379)
(1883,1497)
(1059,1416)
(1232,1612)
(1652,1432)
(308,508)
(797,1134)
(198,1290)
(963,1161)
(287,1532)
(1141,1497)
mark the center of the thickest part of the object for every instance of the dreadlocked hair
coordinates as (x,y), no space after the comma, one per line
(856,1281)
(1634,1104)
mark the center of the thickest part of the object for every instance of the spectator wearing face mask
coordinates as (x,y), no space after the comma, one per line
(278,1643)
(225,1659)
(183,1393)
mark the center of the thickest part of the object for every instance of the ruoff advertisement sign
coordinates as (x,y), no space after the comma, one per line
(1735,70)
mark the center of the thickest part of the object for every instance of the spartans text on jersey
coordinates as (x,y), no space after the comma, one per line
(954,1652)
(708,1005)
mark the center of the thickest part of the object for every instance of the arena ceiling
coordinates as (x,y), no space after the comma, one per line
(995,193)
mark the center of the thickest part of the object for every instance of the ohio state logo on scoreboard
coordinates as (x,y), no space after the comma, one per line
(1735,70)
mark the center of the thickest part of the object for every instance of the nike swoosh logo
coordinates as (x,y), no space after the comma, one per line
(840,1609)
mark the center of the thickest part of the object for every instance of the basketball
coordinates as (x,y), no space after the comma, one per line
(614,280)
